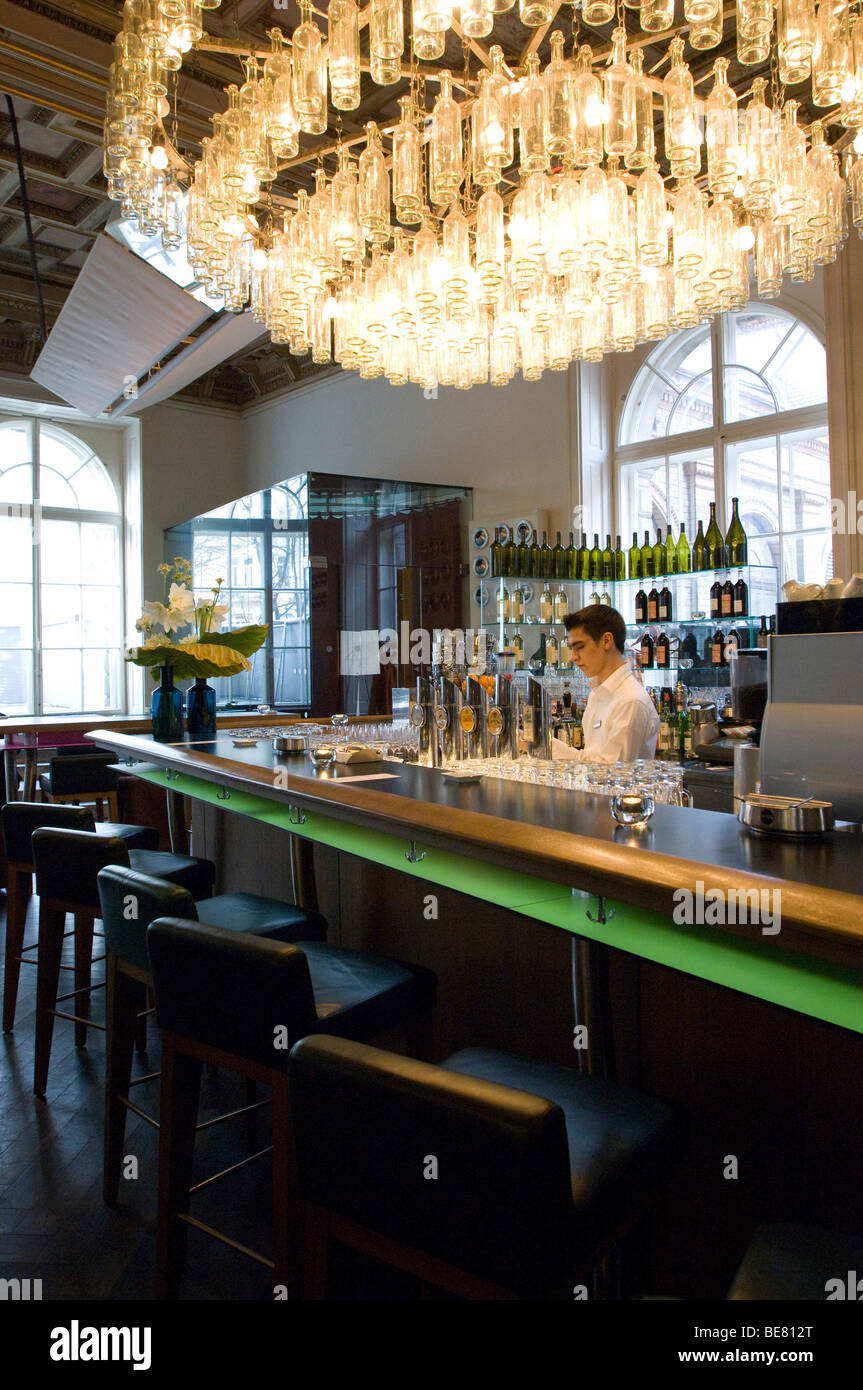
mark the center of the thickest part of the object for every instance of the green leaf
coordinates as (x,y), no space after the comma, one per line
(196,659)
(243,639)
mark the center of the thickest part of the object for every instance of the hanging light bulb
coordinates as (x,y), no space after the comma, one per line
(343,54)
(158,154)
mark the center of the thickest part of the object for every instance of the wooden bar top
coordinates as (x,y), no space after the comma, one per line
(559,836)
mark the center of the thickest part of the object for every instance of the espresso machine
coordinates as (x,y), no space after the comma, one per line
(502,719)
(534,713)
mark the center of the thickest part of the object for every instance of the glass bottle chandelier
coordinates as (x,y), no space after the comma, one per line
(521,227)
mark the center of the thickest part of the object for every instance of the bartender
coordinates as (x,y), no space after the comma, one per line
(620,723)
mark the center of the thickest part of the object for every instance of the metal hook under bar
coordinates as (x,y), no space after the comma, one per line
(300,817)
(412,855)
(171,774)
(602,916)
(223,794)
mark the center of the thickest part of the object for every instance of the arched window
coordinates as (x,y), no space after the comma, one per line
(61,574)
(734,408)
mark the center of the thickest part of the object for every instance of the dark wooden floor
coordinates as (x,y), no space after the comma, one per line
(54,1225)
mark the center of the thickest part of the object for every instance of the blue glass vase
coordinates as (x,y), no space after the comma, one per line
(167,708)
(201,712)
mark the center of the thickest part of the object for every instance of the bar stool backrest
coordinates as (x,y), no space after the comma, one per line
(242,994)
(21,818)
(83,772)
(130,902)
(471,1172)
(68,863)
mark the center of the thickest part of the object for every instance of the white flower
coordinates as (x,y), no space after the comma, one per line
(216,613)
(178,612)
(181,602)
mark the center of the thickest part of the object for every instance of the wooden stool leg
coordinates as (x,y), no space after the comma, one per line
(124,997)
(113,806)
(287,1216)
(16,916)
(315,1252)
(180,1091)
(52,922)
(84,922)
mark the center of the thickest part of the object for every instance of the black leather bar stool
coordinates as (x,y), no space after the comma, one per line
(128,974)
(20,819)
(81,777)
(799,1264)
(67,866)
(239,1001)
(536,1171)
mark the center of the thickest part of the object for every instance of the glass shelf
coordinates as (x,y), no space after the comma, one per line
(604,583)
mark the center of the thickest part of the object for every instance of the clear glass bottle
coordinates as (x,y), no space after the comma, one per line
(407,167)
(831,54)
(682,135)
(283,127)
(559,78)
(795,38)
(489,257)
(431,19)
(790,196)
(588,147)
(759,182)
(656,15)
(533,13)
(707,32)
(688,221)
(722,138)
(343,54)
(374,188)
(620,120)
(477,18)
(643,154)
(533,156)
(754,26)
(310,73)
(386,41)
(446,147)
(597,12)
(347,232)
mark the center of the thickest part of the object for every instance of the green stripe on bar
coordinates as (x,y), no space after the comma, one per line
(797,982)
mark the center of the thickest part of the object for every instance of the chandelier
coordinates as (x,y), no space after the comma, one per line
(520,227)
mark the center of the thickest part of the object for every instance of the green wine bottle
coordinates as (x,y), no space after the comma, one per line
(496,553)
(699,557)
(546,558)
(571,559)
(619,562)
(608,561)
(658,553)
(595,559)
(635,558)
(670,553)
(559,554)
(534,570)
(511,554)
(736,548)
(522,556)
(584,558)
(647,570)
(684,554)
(714,546)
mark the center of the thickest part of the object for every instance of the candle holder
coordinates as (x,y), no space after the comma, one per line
(632,809)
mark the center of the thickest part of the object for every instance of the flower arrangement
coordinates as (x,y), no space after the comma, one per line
(203,651)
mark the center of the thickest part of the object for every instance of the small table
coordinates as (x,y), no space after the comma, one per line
(29,744)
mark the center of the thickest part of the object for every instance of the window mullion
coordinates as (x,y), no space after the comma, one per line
(718,357)
(36,570)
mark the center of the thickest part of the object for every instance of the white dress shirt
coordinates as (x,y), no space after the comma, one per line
(620,722)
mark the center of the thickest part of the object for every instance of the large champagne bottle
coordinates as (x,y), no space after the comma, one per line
(714,546)
(736,548)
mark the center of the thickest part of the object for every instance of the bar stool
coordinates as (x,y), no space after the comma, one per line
(239,1001)
(83,777)
(799,1263)
(19,820)
(489,1176)
(67,865)
(128,975)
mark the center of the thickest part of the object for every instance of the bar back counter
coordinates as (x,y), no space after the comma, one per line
(549,926)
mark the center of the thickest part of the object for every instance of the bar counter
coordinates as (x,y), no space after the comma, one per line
(559,858)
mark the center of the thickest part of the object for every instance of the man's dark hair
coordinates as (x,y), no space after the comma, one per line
(596,619)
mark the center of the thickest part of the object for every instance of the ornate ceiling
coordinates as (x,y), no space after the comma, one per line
(53,63)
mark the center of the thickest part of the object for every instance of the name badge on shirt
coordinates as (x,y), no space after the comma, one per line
(597,724)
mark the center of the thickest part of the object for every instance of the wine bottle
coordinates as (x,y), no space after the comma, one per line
(551,650)
(732,644)
(670,553)
(717,648)
(546,606)
(503,606)
(658,554)
(689,649)
(635,558)
(546,558)
(665,604)
(596,558)
(645,652)
(727,600)
(518,649)
(653,605)
(561,605)
(522,557)
(559,555)
(684,733)
(714,546)
(684,554)
(516,606)
(716,599)
(535,570)
(571,552)
(619,562)
(647,570)
(740,606)
(584,558)
(699,557)
(608,561)
(736,548)
(511,554)
(761,639)
(641,607)
(663,651)
(496,554)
